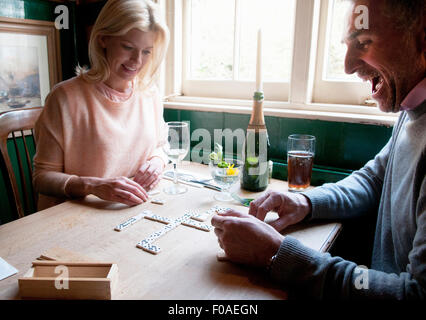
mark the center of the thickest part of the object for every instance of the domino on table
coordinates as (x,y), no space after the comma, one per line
(170,225)
(153,193)
(158,201)
(196,225)
(205,215)
(221,209)
(130,221)
(154,217)
(221,256)
(147,246)
(201,217)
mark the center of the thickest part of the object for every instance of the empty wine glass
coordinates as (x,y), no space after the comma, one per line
(176,148)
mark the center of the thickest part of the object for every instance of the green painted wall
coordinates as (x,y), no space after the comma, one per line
(340,148)
(7,210)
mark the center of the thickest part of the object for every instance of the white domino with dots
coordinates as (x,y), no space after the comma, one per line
(196,225)
(190,219)
(147,214)
(201,217)
(149,247)
(130,221)
(157,218)
(221,209)
(205,215)
(158,201)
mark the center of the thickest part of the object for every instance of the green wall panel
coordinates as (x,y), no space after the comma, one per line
(341,147)
(7,211)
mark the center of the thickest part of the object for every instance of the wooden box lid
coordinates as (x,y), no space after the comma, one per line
(69,280)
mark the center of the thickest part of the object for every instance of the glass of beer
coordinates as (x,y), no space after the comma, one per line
(300,158)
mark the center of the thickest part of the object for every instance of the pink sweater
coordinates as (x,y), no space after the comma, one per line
(82,132)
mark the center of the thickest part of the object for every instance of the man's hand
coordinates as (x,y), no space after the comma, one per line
(246,239)
(291,208)
(149,175)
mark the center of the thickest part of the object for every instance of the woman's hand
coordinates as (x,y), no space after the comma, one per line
(291,208)
(121,189)
(149,175)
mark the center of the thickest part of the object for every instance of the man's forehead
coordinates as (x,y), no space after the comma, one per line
(362,17)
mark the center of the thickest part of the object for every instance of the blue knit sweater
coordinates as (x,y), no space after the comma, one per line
(395,183)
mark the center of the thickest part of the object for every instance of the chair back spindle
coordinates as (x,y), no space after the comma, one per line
(16,124)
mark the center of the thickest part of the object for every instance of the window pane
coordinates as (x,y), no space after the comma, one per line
(276,18)
(212,39)
(336,50)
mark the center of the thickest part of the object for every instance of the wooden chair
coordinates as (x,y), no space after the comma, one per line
(14,123)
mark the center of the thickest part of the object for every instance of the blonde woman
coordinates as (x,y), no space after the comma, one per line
(106,125)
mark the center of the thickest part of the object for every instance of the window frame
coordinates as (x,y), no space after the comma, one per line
(334,91)
(301,102)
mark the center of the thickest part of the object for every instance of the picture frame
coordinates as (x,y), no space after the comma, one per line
(30,62)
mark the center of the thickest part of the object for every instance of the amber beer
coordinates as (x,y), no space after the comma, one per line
(299,169)
(300,159)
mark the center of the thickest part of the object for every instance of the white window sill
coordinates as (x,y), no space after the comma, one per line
(315,111)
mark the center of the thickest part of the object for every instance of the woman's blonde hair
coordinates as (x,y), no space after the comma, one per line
(116,18)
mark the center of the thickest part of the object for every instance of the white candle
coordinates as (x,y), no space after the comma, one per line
(259,62)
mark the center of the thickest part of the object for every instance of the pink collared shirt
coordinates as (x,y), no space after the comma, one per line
(415,97)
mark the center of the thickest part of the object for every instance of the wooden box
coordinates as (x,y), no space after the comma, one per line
(69,280)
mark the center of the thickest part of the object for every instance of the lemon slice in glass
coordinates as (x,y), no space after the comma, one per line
(253,161)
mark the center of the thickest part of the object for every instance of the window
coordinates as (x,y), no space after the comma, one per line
(335,49)
(212,58)
(332,84)
(221,46)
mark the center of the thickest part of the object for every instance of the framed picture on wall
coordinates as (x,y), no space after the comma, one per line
(30,63)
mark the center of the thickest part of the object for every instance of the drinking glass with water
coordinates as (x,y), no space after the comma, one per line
(176,148)
(225,173)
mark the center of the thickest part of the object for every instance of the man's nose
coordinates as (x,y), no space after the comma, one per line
(352,60)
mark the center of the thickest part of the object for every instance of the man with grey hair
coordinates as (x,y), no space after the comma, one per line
(392,185)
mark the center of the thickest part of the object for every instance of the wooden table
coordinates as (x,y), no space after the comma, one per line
(186,268)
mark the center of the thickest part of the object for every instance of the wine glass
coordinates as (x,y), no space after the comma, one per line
(226,173)
(176,148)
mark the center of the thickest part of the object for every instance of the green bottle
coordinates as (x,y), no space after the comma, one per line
(255,175)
